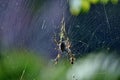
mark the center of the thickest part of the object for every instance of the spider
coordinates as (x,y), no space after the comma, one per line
(64,44)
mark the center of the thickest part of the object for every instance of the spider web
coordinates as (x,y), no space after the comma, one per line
(97,29)
(22,28)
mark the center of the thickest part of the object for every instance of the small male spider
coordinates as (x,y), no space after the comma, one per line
(63,44)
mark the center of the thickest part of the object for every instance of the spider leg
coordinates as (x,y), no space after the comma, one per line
(72,58)
(55,40)
(57,58)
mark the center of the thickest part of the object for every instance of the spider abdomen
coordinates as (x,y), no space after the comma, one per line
(62,46)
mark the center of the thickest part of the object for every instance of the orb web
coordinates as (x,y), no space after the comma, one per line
(34,29)
(97,30)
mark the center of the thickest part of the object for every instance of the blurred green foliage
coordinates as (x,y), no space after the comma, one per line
(19,65)
(83,6)
(26,65)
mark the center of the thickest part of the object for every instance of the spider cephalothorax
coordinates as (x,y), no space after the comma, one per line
(64,44)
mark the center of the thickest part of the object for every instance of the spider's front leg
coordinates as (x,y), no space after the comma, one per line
(55,40)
